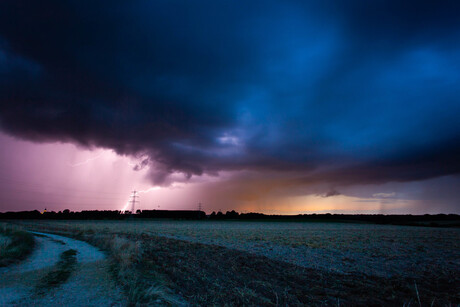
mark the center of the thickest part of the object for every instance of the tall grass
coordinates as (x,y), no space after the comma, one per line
(127,257)
(15,245)
(4,242)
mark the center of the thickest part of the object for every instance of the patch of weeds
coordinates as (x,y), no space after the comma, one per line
(141,284)
(60,273)
(4,242)
(17,245)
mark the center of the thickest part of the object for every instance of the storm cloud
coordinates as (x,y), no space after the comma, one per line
(342,93)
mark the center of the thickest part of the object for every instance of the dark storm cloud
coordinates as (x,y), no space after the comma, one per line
(346,92)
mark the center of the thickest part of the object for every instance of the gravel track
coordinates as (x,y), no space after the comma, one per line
(89,285)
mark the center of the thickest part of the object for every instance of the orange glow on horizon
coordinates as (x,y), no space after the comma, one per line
(336,204)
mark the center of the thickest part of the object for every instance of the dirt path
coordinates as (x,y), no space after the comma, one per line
(88,285)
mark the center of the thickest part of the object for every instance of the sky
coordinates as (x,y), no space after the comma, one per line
(281,107)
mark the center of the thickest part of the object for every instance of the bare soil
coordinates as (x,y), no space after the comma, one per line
(213,275)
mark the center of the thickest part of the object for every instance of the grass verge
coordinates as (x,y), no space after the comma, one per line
(141,287)
(60,273)
(15,245)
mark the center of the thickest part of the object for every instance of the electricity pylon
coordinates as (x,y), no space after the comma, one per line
(133,199)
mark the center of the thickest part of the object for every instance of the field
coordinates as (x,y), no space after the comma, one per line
(275,263)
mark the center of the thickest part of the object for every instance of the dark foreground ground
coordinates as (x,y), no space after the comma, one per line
(154,269)
(207,274)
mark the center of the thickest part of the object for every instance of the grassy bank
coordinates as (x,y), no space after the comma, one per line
(15,245)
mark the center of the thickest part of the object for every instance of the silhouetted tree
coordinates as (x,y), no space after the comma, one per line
(232,214)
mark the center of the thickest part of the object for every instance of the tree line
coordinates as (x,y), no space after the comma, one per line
(444,220)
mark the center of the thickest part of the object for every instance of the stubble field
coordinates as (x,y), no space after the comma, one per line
(275,263)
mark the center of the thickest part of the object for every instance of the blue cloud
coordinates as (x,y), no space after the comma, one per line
(370,89)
